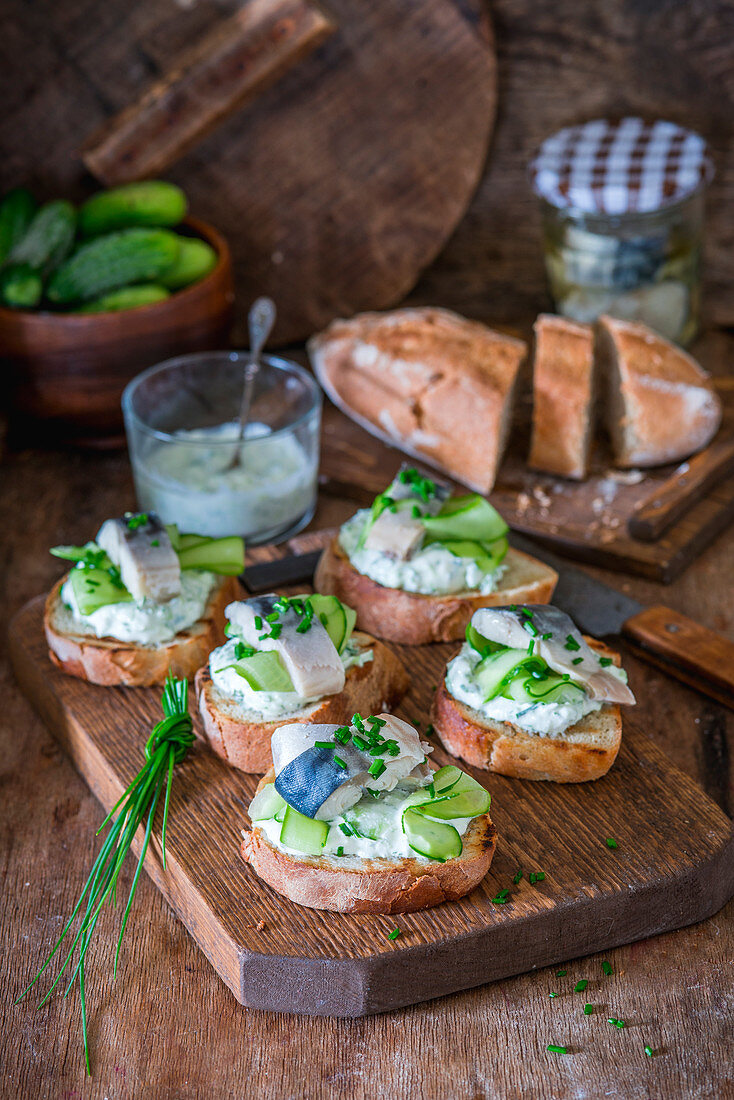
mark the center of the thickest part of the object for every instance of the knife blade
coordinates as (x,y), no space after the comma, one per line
(268,575)
(683,648)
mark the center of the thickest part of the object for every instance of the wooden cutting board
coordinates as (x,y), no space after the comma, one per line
(589,520)
(674,864)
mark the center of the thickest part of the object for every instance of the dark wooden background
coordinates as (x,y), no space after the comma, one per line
(67,66)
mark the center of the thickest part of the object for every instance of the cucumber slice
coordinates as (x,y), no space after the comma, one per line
(304,834)
(480,643)
(487,557)
(264,672)
(434,839)
(267,803)
(224,556)
(495,671)
(549,689)
(333,614)
(95,588)
(467,517)
(467,803)
(446,778)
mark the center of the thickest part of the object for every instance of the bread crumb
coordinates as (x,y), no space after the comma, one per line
(260,926)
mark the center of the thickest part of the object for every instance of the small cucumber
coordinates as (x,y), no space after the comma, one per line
(195,260)
(303,834)
(95,588)
(20,287)
(16,213)
(150,203)
(48,239)
(128,297)
(266,804)
(434,839)
(225,556)
(110,262)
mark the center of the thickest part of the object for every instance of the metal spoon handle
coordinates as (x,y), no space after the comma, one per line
(260,320)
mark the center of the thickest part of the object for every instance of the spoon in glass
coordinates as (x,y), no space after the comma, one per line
(260,321)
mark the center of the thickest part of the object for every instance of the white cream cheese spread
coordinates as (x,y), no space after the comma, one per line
(381,817)
(433,571)
(268,704)
(145,622)
(542,719)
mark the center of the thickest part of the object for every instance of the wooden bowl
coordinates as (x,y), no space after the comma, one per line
(69,371)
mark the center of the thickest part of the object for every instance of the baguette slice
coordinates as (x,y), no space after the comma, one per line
(563,397)
(414,619)
(354,885)
(583,752)
(425,380)
(660,405)
(110,662)
(242,738)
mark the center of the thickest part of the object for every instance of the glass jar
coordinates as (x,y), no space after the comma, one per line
(623,222)
(182,432)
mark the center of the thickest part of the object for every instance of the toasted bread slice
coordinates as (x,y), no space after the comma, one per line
(414,619)
(660,405)
(110,662)
(584,751)
(434,384)
(563,397)
(354,885)
(242,738)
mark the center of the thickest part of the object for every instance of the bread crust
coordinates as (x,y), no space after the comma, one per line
(411,618)
(507,749)
(112,663)
(563,396)
(438,386)
(377,686)
(376,885)
(661,406)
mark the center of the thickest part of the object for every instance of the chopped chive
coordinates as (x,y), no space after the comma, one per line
(619,1023)
(588,1009)
(340,850)
(394,934)
(346,829)
(517,877)
(258,623)
(531,647)
(545,637)
(501,898)
(615,1021)
(376,768)
(272,617)
(359,742)
(556,1049)
(571,643)
(611,842)
(339,762)
(155,542)
(342,735)
(531,878)
(561,973)
(605,661)
(429,730)
(577,660)
(649,1051)
(379,750)
(393,749)
(540,876)
(552,995)
(607,968)
(375,794)
(275,630)
(581,986)
(531,628)
(323,744)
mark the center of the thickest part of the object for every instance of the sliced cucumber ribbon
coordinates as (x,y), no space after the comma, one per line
(520,676)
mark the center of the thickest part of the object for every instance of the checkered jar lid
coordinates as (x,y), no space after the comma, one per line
(624,167)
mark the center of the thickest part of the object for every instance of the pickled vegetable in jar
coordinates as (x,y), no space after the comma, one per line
(622,206)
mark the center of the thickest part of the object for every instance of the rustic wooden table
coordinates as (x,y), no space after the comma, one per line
(169,1028)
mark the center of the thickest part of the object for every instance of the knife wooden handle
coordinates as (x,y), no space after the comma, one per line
(687,650)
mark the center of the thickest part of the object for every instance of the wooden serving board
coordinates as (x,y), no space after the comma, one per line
(585,520)
(674,864)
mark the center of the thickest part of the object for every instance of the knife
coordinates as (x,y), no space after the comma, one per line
(683,648)
(692,653)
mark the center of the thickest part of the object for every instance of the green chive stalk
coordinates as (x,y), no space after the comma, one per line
(167,746)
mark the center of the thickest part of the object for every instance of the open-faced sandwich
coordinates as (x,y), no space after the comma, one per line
(419,562)
(290,659)
(142,600)
(529,696)
(352,818)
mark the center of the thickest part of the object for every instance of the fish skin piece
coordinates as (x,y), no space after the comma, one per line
(501,624)
(306,778)
(147,571)
(311,658)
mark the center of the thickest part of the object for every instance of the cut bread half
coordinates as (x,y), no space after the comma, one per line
(426,380)
(355,885)
(414,619)
(109,662)
(660,405)
(242,737)
(583,752)
(563,397)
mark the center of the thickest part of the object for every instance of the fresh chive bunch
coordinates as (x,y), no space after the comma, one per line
(167,746)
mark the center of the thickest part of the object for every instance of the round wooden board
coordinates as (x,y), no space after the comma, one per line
(336,186)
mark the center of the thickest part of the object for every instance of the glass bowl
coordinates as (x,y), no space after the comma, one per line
(182,430)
